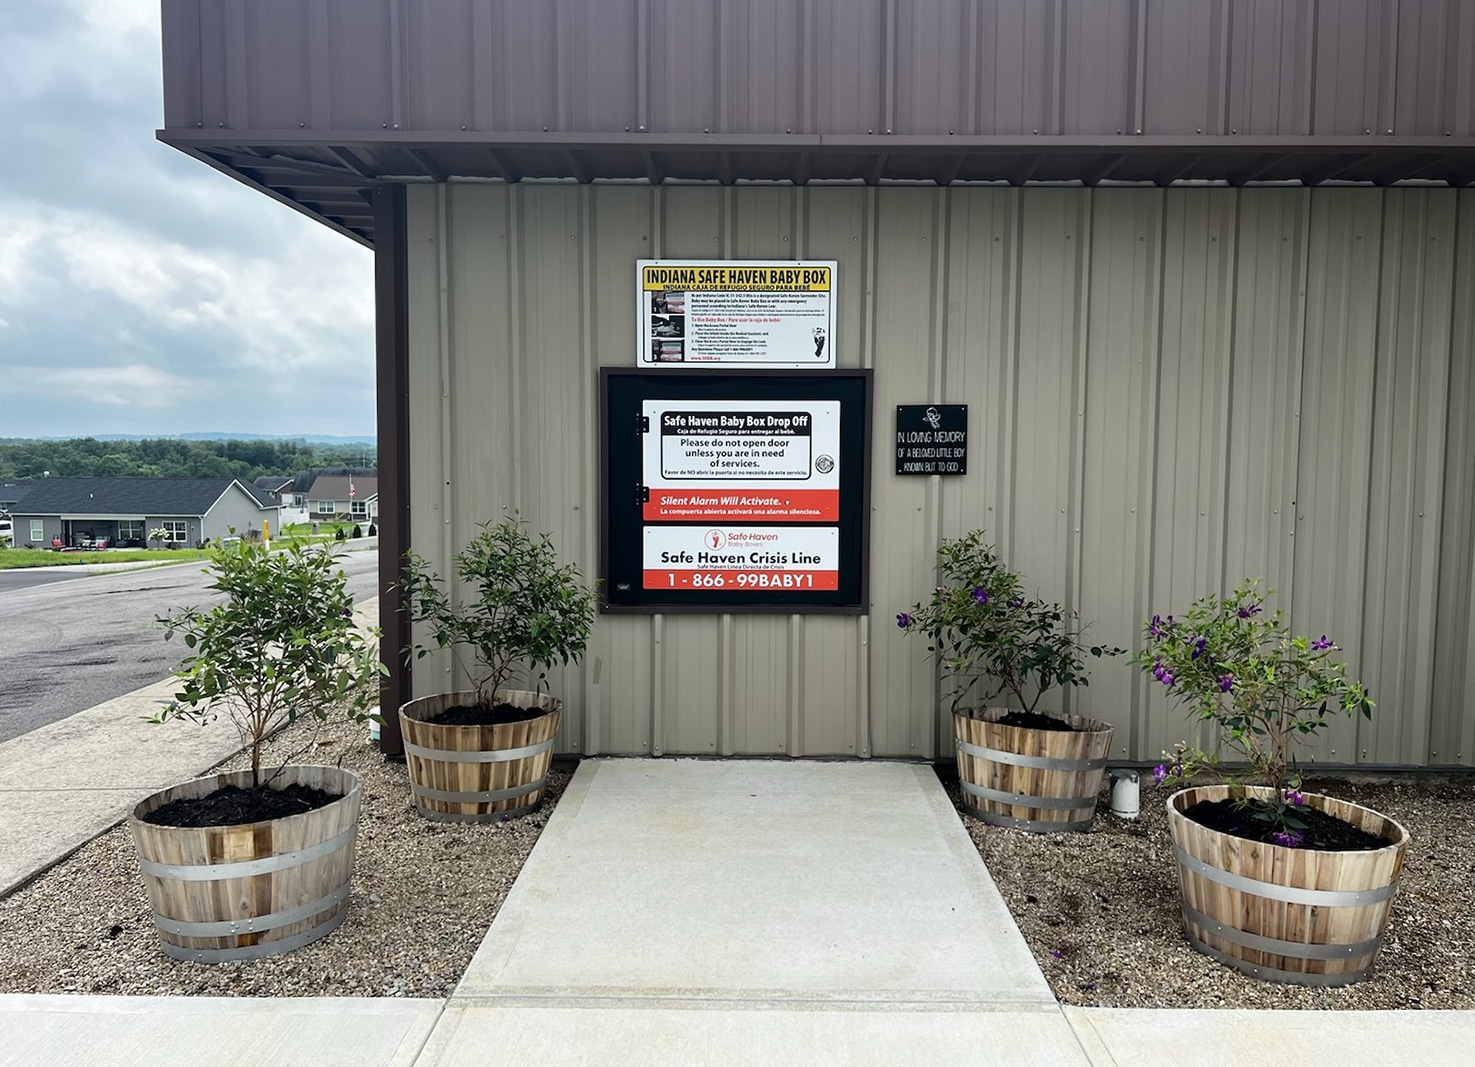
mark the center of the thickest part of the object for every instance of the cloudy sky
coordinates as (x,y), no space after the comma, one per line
(140,290)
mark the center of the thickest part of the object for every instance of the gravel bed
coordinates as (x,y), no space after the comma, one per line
(1100,909)
(423,895)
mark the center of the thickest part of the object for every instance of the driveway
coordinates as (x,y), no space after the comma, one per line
(69,641)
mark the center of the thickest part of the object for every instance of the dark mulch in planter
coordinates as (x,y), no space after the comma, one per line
(1324,833)
(1034,721)
(1100,910)
(234,806)
(481,715)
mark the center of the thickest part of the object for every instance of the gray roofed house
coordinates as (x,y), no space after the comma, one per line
(88,512)
(355,495)
(12,493)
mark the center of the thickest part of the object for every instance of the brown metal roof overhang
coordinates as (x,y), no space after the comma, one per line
(330,175)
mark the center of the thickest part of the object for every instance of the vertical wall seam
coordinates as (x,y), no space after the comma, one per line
(396,63)
(1075,477)
(1226,60)
(446,357)
(972,66)
(726,628)
(1147,486)
(1292,493)
(1362,726)
(797,650)
(1309,126)
(590,443)
(1138,67)
(237,98)
(642,65)
(870,226)
(320,110)
(1013,357)
(936,382)
(657,621)
(517,326)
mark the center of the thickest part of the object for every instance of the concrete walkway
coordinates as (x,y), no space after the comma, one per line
(684,911)
(700,912)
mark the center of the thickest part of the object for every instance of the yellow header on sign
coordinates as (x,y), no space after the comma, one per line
(738,279)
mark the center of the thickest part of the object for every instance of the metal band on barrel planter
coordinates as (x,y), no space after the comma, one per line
(1319,921)
(285,885)
(1036,780)
(471,774)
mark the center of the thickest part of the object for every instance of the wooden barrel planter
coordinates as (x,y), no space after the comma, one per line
(478,773)
(1294,915)
(1041,781)
(221,893)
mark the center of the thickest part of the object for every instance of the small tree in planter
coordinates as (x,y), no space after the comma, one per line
(524,613)
(1266,689)
(160,536)
(283,644)
(993,641)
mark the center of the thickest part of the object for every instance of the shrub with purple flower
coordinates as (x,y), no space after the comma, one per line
(1266,689)
(992,639)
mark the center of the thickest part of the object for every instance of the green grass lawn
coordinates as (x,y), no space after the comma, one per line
(16,558)
(303,532)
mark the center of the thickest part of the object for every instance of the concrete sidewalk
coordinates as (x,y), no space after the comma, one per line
(65,783)
(702,912)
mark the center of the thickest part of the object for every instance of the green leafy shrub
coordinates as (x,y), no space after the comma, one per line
(523,611)
(1231,663)
(358,531)
(990,637)
(283,644)
(338,534)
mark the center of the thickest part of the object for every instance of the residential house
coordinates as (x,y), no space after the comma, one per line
(282,492)
(343,496)
(84,512)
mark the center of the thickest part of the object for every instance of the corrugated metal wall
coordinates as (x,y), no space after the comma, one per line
(1168,389)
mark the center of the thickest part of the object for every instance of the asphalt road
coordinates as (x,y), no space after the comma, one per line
(70,641)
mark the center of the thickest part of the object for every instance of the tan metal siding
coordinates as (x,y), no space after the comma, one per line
(1168,390)
(1453,721)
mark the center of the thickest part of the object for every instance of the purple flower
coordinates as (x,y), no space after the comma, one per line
(1252,609)
(1288,838)
(1295,798)
(1198,647)
(1159,773)
(1226,682)
(1321,642)
(1017,602)
(1156,626)
(980,594)
(1056,953)
(903,620)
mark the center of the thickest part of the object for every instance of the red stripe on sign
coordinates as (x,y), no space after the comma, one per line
(742,581)
(744,505)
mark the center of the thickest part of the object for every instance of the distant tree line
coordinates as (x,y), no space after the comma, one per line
(85,457)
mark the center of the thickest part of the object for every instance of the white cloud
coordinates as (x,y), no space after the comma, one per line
(135,385)
(141,291)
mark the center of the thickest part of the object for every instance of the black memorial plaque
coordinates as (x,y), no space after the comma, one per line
(931,439)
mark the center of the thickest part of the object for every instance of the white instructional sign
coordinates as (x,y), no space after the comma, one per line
(741,460)
(735,313)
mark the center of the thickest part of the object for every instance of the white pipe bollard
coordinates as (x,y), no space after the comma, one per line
(1126,793)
